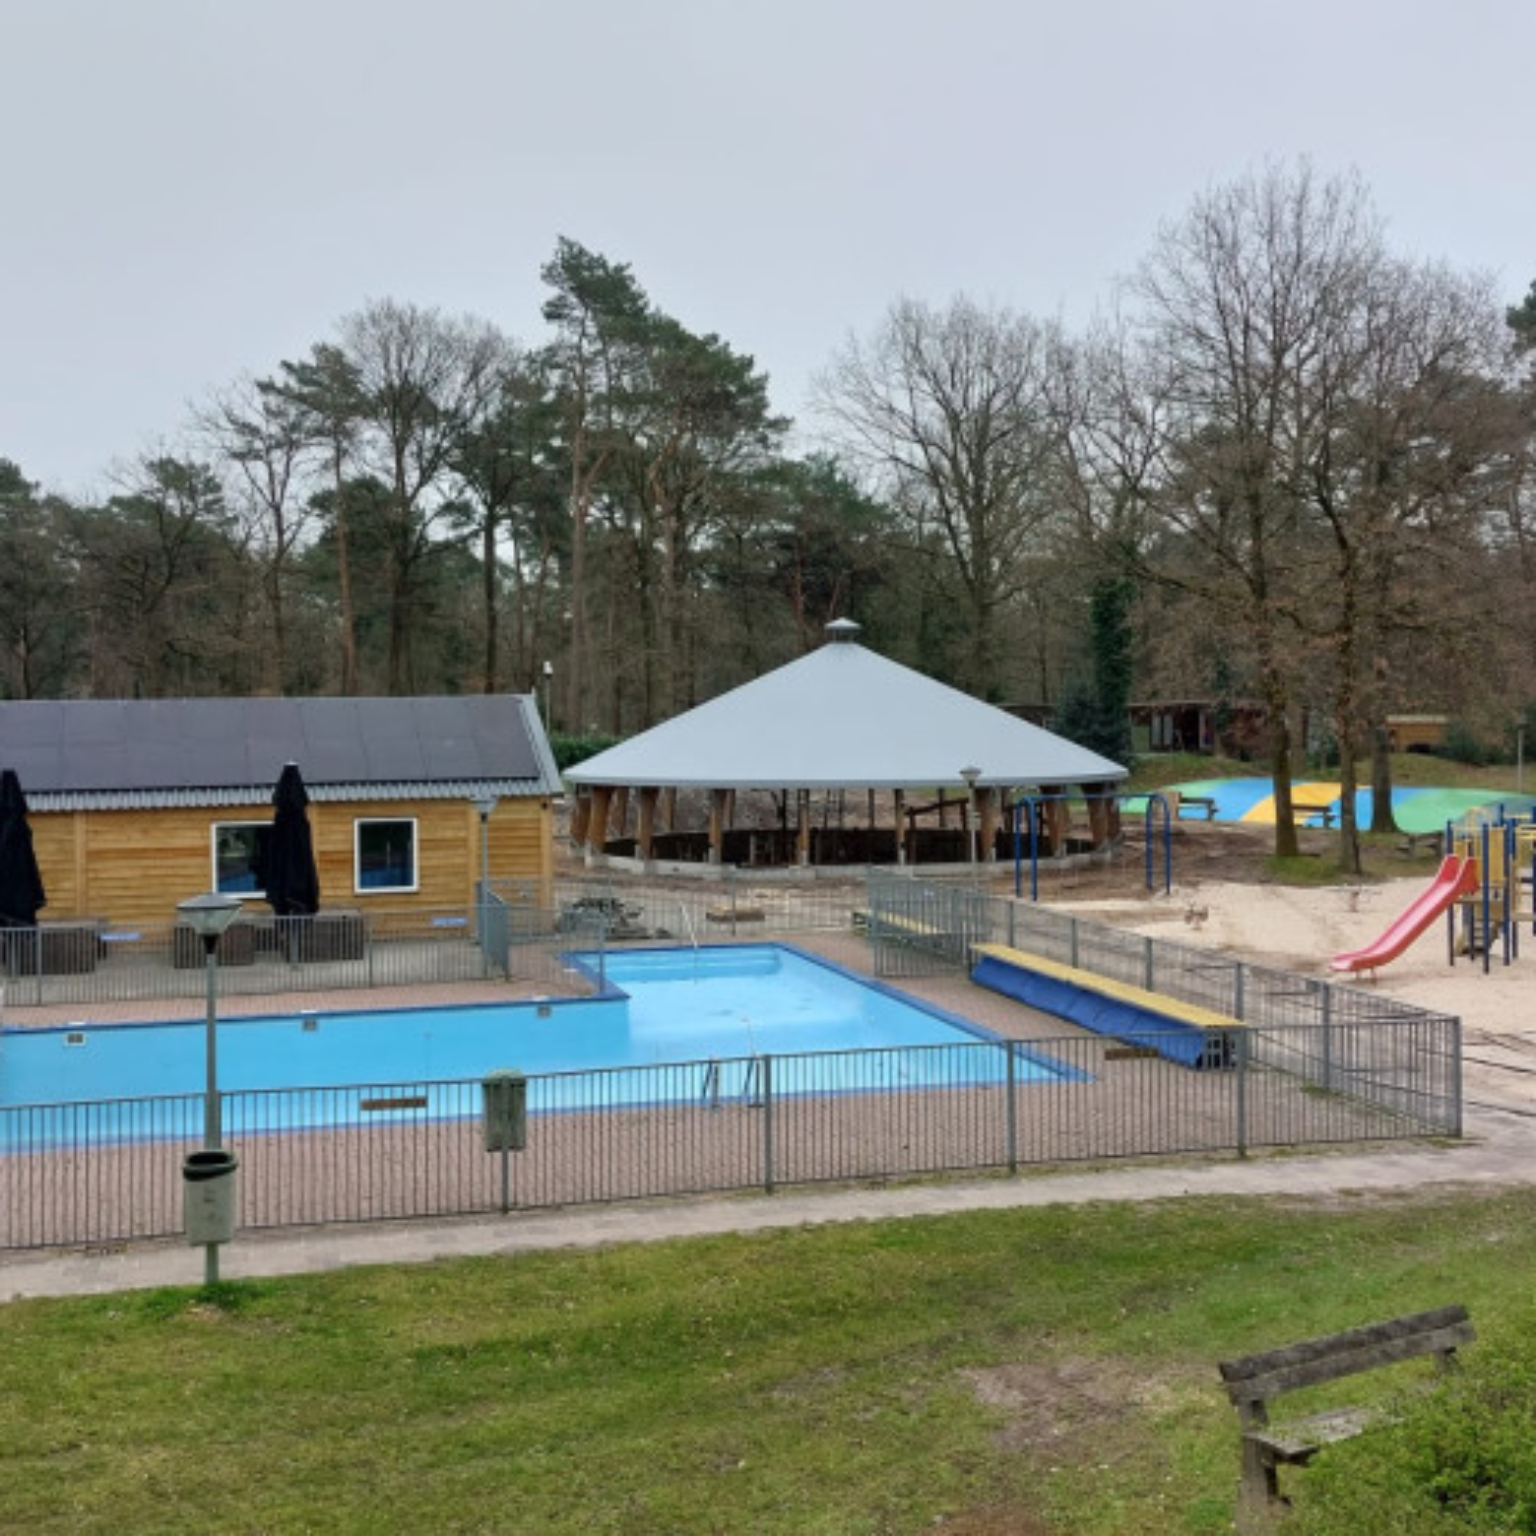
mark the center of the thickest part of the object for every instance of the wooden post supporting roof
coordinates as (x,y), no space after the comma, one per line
(1057,816)
(1098,814)
(597,825)
(989,804)
(803,827)
(647,831)
(581,814)
(717,805)
(901,826)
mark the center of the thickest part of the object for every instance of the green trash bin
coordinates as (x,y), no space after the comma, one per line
(208,1190)
(504,1116)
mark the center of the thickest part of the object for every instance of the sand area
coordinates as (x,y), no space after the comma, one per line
(1221,899)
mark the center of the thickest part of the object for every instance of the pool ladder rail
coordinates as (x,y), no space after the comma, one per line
(713,1091)
(687,916)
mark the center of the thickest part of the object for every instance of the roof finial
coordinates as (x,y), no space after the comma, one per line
(840,630)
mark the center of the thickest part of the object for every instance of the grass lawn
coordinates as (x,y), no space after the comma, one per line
(1026,1371)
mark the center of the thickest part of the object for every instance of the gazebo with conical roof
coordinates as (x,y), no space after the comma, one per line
(838,719)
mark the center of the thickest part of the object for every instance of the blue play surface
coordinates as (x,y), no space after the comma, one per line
(1421,808)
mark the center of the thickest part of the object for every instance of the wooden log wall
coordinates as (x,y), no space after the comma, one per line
(135,866)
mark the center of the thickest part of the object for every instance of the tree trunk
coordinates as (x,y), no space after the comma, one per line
(344,582)
(491,680)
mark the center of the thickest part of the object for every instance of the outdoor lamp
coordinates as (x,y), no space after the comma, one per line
(208,916)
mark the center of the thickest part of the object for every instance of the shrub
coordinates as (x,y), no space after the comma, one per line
(570,750)
(1462,1459)
(1463,746)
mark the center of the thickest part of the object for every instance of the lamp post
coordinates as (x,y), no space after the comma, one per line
(549,693)
(208,916)
(970,775)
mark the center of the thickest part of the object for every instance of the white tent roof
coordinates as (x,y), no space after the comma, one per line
(844,717)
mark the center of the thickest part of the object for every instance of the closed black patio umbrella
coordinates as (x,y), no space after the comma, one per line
(21,886)
(289,879)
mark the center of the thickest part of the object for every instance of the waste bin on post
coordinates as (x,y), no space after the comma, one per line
(208,1188)
(504,1121)
(505,1116)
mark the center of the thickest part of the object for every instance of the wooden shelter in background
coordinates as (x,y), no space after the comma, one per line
(842,724)
(137,804)
(1417,733)
(1226,727)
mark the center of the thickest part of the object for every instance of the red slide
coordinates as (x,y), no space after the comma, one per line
(1457,877)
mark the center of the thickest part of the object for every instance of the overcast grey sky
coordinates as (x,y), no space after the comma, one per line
(194,189)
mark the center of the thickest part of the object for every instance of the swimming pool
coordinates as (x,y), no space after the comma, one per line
(727,1006)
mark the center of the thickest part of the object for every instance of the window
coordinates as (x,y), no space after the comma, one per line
(237,850)
(386,855)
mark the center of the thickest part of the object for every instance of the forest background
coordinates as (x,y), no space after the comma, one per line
(1287,464)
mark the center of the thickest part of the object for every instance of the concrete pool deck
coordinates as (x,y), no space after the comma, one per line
(1499,1152)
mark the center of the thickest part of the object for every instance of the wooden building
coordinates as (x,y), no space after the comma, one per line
(1417,733)
(135,805)
(1229,728)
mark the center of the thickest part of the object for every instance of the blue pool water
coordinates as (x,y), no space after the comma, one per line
(728,1003)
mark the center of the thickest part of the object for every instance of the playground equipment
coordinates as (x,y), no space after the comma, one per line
(1457,878)
(1029,811)
(1484,888)
(1504,851)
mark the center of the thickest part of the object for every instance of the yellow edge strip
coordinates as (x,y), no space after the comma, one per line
(1105,986)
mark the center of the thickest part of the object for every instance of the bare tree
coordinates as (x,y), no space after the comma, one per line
(266,436)
(1409,452)
(951,412)
(424,381)
(1238,300)
(326,391)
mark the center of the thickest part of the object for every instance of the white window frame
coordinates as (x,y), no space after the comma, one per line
(256,894)
(357,855)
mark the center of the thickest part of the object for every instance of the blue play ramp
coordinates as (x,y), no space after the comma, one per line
(1119,1018)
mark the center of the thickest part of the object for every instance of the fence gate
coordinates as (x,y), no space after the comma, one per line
(923,929)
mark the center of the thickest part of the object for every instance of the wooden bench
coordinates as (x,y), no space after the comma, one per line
(895,927)
(736,915)
(1305,810)
(1206,803)
(1134,1015)
(1413,841)
(1254,1381)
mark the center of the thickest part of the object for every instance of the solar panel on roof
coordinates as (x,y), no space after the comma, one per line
(128,746)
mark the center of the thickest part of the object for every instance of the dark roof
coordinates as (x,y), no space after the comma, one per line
(126,753)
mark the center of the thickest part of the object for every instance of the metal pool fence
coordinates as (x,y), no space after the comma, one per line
(1313,1064)
(513,932)
(111,1172)
(1336,1038)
